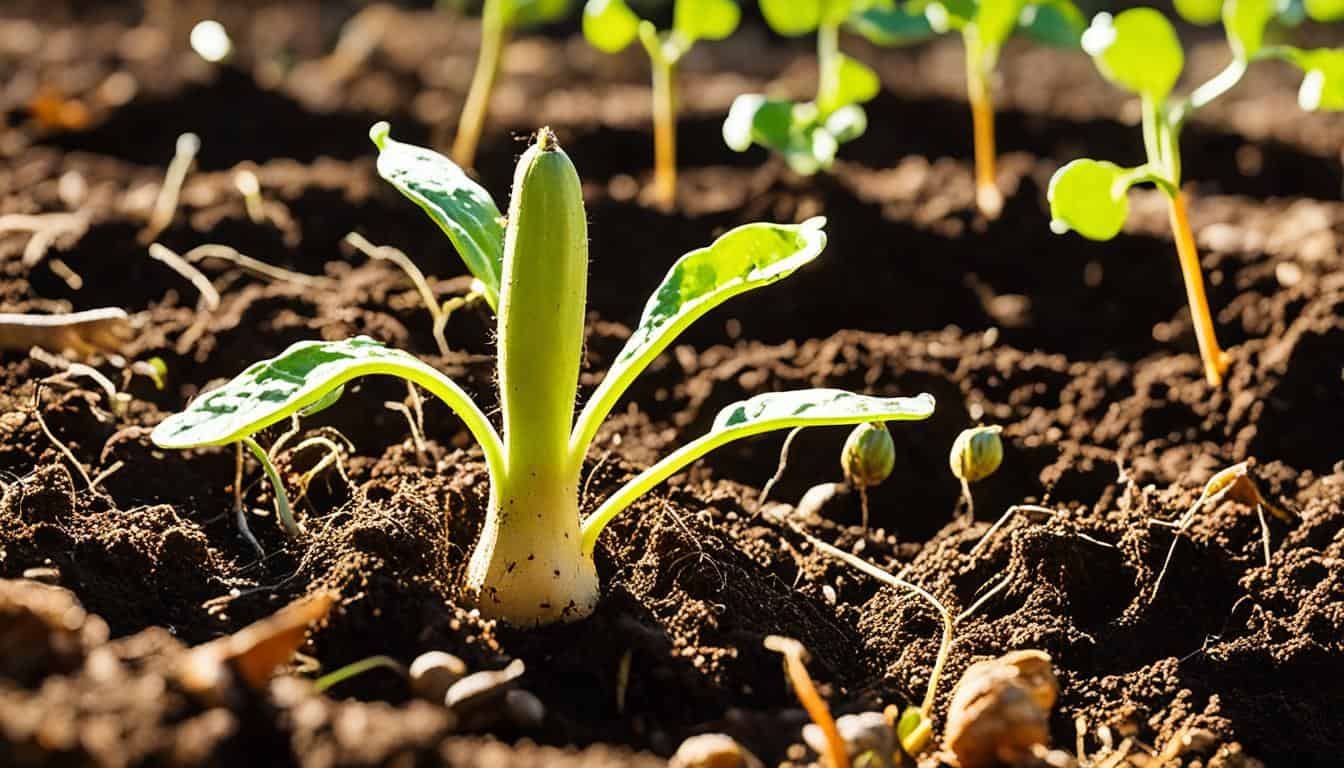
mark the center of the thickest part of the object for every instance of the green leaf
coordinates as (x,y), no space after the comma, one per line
(856,83)
(945,15)
(1059,24)
(890,25)
(794,130)
(996,19)
(763,413)
(1245,22)
(1089,197)
(609,25)
(1199,11)
(527,13)
(1323,87)
(305,376)
(1137,50)
(705,19)
(1325,10)
(743,259)
(461,207)
(792,18)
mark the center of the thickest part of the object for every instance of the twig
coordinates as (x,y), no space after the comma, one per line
(779,470)
(165,206)
(181,266)
(62,447)
(795,663)
(255,267)
(399,258)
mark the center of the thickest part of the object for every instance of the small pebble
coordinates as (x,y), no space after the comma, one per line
(433,673)
(713,750)
(524,709)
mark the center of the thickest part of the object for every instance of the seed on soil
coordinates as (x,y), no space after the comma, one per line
(524,709)
(432,673)
(823,501)
(1001,709)
(713,750)
(867,735)
(479,698)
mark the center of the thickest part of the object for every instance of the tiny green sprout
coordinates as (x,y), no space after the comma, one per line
(610,26)
(976,454)
(808,134)
(985,25)
(533,562)
(498,19)
(1138,50)
(867,459)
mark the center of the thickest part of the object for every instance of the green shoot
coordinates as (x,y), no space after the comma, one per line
(1138,50)
(611,26)
(985,25)
(357,668)
(498,19)
(533,563)
(808,134)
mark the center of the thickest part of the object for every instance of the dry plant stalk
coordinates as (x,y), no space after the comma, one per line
(255,267)
(795,664)
(102,330)
(398,257)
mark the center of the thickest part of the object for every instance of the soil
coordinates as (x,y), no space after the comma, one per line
(1083,352)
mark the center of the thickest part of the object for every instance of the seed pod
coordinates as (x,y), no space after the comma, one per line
(976,453)
(869,454)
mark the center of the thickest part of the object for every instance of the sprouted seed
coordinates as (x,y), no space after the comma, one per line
(165,206)
(976,454)
(867,459)
(249,186)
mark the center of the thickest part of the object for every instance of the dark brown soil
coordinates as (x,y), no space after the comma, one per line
(1083,351)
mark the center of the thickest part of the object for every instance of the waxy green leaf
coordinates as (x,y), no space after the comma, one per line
(461,207)
(856,83)
(890,25)
(799,17)
(1325,10)
(1199,11)
(1058,23)
(526,13)
(806,142)
(609,25)
(1323,86)
(705,19)
(1137,50)
(1245,22)
(1089,197)
(763,413)
(743,259)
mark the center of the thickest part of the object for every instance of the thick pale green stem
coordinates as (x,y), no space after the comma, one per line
(494,36)
(528,567)
(282,508)
(828,66)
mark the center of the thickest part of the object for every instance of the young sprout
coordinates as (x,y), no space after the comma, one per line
(808,134)
(976,454)
(795,666)
(533,563)
(498,19)
(1138,50)
(611,26)
(984,26)
(867,459)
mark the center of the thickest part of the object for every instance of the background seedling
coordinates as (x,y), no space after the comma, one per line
(808,134)
(610,26)
(533,562)
(1138,51)
(985,25)
(976,454)
(498,19)
(867,459)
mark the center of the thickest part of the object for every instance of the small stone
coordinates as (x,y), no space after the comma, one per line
(713,750)
(433,673)
(478,698)
(524,709)
(1000,711)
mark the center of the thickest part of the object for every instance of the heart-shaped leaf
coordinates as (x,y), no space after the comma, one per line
(609,25)
(995,20)
(1137,50)
(1088,196)
(891,25)
(1200,11)
(855,82)
(705,19)
(1059,23)
(1245,22)
(461,207)
(1325,10)
(743,259)
(799,17)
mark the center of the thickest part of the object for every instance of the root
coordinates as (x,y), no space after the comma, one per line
(399,258)
(60,446)
(181,266)
(165,206)
(239,511)
(255,267)
(45,228)
(331,458)
(779,471)
(1030,509)
(106,473)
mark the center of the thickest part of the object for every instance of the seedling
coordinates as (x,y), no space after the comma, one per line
(611,26)
(985,25)
(1138,50)
(795,667)
(808,134)
(867,459)
(976,454)
(533,563)
(498,19)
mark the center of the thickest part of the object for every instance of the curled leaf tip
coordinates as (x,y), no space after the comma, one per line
(814,223)
(379,132)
